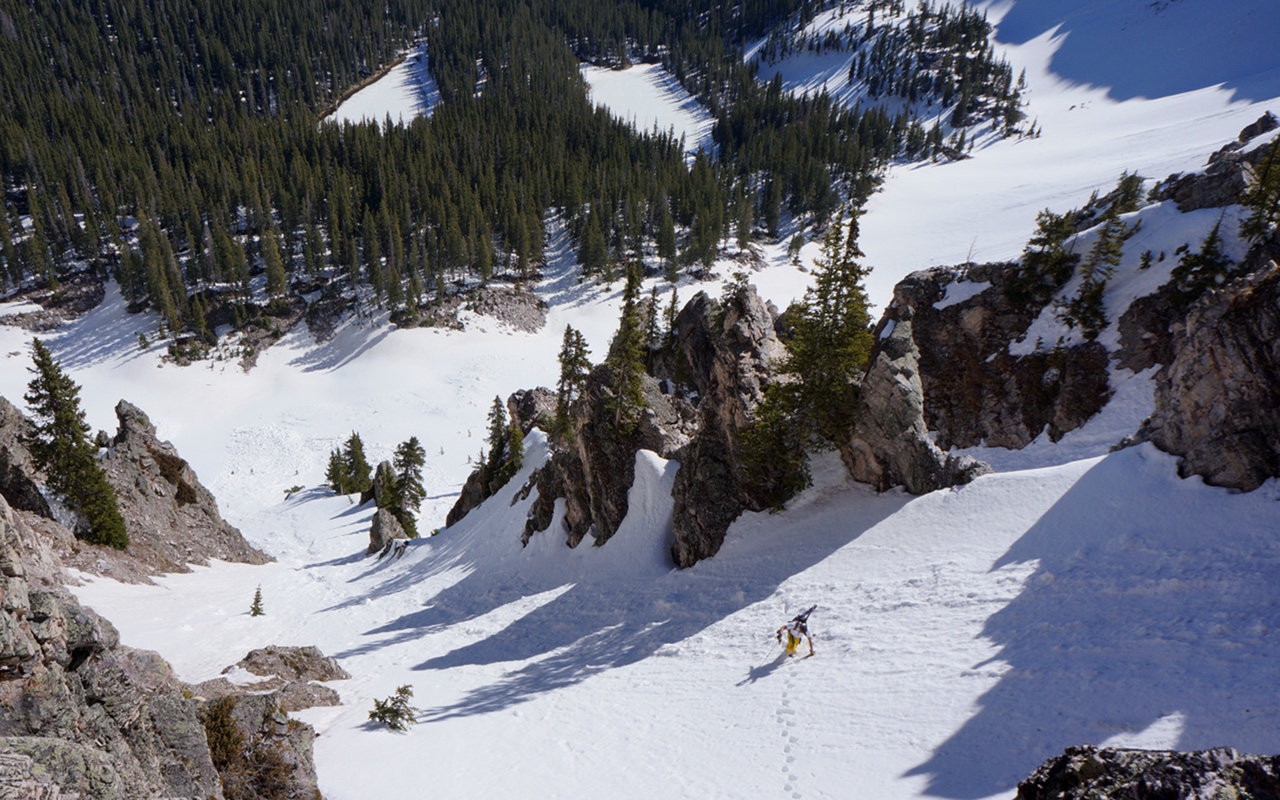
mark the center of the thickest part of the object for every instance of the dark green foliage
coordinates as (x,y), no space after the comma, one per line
(62,449)
(1128,193)
(575,369)
(249,770)
(506,447)
(395,712)
(256,609)
(827,355)
(1085,310)
(626,359)
(409,492)
(206,111)
(1262,197)
(348,471)
(832,340)
(1046,262)
(773,449)
(1196,273)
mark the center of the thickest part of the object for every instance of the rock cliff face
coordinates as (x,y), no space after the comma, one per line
(973,390)
(1084,773)
(1216,400)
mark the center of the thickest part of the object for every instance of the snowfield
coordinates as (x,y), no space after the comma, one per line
(405,92)
(650,99)
(963,637)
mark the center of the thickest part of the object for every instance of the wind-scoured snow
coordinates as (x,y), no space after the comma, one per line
(1076,596)
(651,100)
(405,92)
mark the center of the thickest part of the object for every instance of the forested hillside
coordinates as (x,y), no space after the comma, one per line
(179,147)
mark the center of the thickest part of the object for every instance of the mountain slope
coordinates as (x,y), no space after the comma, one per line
(962,637)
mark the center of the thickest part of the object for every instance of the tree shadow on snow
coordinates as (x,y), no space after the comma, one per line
(1154,608)
(602,621)
(1157,49)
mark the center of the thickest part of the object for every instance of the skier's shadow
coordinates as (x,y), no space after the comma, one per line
(763,670)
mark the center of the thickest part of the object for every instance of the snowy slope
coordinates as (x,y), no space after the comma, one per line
(650,99)
(962,637)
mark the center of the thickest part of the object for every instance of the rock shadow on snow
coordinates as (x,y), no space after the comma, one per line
(1156,49)
(1144,615)
(610,620)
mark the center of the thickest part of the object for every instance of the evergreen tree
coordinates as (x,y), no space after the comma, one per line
(1086,310)
(1262,197)
(575,369)
(408,461)
(827,354)
(506,447)
(626,357)
(832,340)
(62,449)
(1046,262)
(256,610)
(1196,273)
(348,470)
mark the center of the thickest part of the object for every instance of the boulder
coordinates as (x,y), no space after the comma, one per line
(385,529)
(1215,402)
(1087,772)
(532,408)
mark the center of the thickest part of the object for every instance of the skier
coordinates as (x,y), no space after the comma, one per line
(797,627)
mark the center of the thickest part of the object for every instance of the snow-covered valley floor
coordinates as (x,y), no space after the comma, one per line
(962,637)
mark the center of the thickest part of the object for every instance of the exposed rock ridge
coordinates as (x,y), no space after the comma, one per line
(88,717)
(1086,773)
(705,386)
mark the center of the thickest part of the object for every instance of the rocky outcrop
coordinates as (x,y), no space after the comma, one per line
(532,408)
(171,518)
(593,473)
(890,444)
(1216,401)
(727,363)
(292,677)
(974,391)
(385,530)
(1084,773)
(1222,182)
(81,714)
(17,470)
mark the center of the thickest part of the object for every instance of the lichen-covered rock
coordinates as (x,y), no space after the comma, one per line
(171,518)
(532,408)
(1216,401)
(293,664)
(1091,773)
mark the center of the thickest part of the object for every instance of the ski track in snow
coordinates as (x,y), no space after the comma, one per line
(962,637)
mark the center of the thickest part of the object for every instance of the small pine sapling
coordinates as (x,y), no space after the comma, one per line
(395,712)
(256,609)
